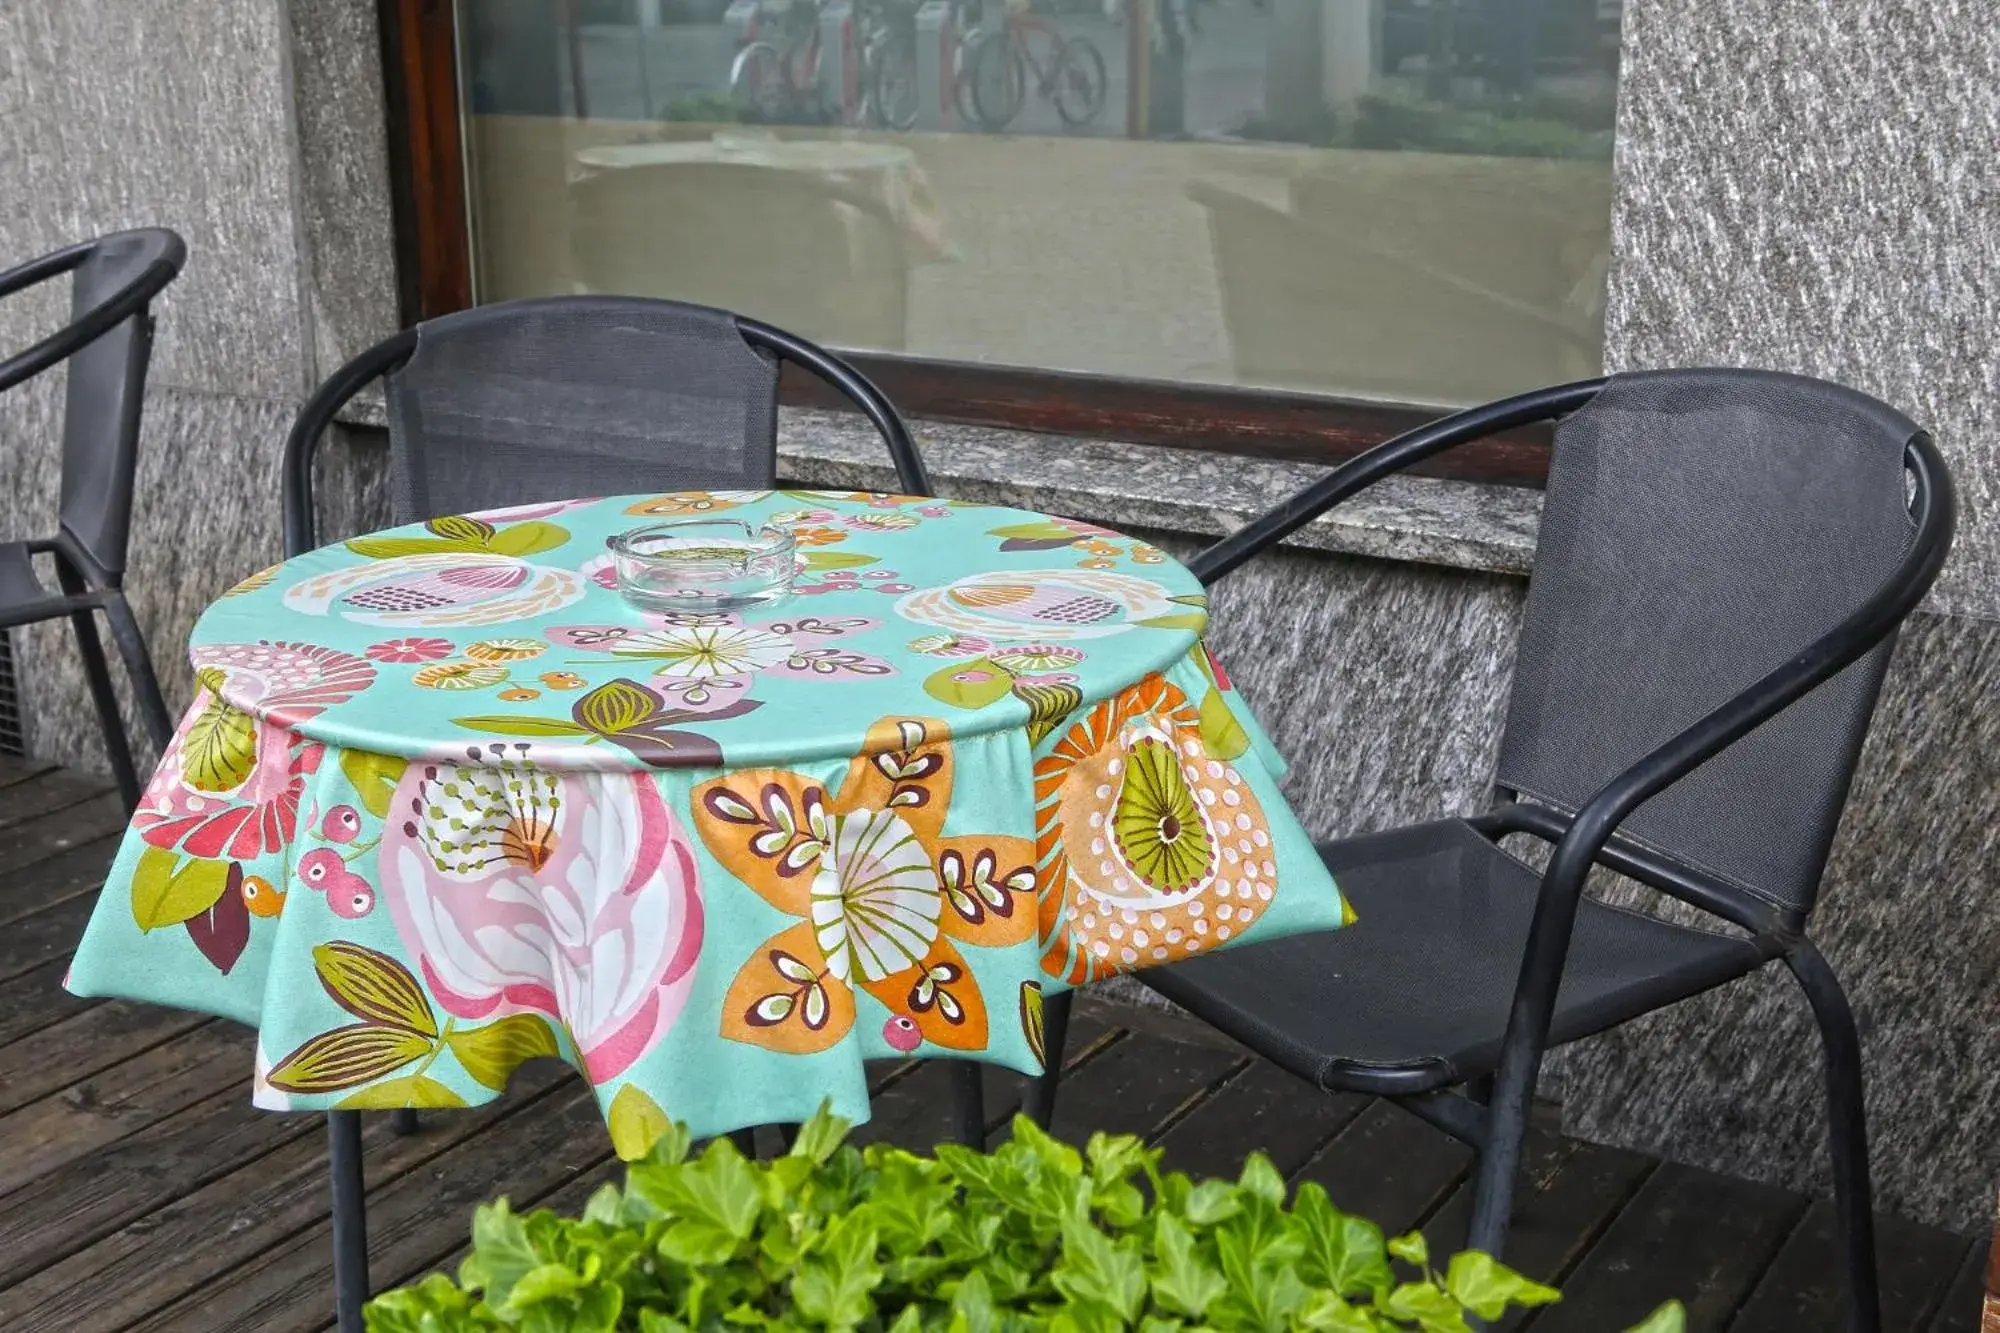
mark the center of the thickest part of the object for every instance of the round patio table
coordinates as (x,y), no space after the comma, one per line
(446,802)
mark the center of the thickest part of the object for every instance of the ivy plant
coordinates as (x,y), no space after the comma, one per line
(1034,1235)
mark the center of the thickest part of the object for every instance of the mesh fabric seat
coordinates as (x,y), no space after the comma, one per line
(551,400)
(1414,996)
(107,346)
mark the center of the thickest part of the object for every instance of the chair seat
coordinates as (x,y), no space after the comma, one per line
(1414,995)
(23,598)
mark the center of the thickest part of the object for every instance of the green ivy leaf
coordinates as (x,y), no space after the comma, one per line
(1094,1269)
(1345,1254)
(1182,1282)
(1412,1249)
(1210,1202)
(715,1200)
(1487,1287)
(820,1137)
(1261,1180)
(501,1255)
(1427,1306)
(833,1289)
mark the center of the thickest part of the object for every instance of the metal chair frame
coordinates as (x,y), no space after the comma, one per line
(91,581)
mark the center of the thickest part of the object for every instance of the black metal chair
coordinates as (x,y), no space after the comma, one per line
(557,397)
(549,399)
(1724,561)
(107,344)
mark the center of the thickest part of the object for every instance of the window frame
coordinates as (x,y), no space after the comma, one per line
(420,52)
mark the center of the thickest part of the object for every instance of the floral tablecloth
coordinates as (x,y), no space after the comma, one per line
(445,803)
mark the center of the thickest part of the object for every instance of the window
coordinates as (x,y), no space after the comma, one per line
(1368,201)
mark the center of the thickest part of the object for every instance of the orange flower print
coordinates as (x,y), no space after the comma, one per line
(1151,848)
(883,899)
(815,536)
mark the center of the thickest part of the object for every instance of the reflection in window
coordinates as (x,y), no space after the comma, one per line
(1391,199)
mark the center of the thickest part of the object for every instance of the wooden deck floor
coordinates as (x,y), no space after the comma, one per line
(140,1190)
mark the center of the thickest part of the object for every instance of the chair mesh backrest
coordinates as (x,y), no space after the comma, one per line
(1700,529)
(577,396)
(102,402)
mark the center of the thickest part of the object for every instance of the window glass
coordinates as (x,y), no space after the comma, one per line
(1404,200)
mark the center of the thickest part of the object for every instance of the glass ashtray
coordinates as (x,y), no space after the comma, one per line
(703,565)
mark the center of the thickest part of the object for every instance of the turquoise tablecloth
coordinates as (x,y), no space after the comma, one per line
(445,802)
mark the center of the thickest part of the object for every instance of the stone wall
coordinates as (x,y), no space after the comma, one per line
(255,129)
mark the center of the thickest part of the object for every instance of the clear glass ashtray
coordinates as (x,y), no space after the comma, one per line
(703,565)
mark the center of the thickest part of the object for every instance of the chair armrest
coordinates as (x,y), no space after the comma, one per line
(74,337)
(1392,456)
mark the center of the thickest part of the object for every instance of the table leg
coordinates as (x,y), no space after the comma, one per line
(968,1097)
(350,1219)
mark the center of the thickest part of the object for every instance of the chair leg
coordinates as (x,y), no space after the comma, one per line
(1039,1103)
(110,720)
(350,1219)
(968,1096)
(139,669)
(404,1122)
(1847,1132)
(745,1141)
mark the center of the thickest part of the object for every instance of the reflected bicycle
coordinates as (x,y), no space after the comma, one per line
(997,65)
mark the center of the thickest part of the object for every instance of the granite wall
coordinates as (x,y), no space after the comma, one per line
(254,128)
(1809,186)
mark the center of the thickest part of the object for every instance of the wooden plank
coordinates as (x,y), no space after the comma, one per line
(915,1110)
(48,1134)
(1390,1167)
(19,768)
(46,793)
(1263,1107)
(43,937)
(1961,1308)
(86,821)
(1141,1086)
(72,1049)
(49,1219)
(243,1225)
(1806,1285)
(29,890)
(35,999)
(417,1222)
(1567,1194)
(1688,1234)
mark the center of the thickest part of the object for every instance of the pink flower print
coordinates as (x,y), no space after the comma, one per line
(404,651)
(236,797)
(575,896)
